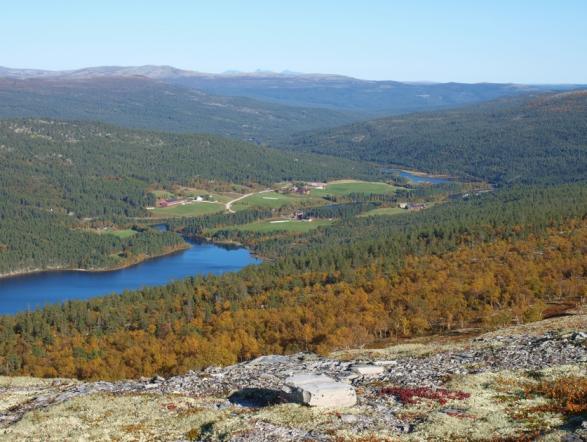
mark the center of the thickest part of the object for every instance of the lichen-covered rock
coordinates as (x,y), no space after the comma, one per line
(321,391)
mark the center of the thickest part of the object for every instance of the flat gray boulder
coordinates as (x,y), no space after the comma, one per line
(368,369)
(320,391)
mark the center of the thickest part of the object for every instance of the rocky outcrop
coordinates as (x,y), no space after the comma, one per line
(441,390)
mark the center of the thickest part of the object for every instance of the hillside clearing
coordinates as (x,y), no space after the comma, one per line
(267,226)
(384,211)
(193,209)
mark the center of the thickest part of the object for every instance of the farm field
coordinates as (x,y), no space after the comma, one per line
(274,200)
(293,226)
(345,187)
(266,199)
(194,209)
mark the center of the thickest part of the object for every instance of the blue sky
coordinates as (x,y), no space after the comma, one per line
(540,41)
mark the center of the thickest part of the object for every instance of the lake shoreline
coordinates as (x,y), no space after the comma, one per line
(124,265)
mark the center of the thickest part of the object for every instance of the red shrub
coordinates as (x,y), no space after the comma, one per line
(411,395)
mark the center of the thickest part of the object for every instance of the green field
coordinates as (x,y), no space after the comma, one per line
(345,187)
(274,200)
(194,209)
(126,233)
(287,226)
(384,211)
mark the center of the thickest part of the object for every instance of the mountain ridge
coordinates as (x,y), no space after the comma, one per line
(314,90)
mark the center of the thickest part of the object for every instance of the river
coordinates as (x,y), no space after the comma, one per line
(24,292)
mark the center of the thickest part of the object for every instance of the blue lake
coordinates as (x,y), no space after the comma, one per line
(30,291)
(418,178)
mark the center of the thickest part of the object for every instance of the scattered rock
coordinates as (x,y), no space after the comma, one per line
(579,337)
(385,363)
(349,418)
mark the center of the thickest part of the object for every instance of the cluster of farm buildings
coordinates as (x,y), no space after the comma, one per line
(305,189)
(179,201)
(412,206)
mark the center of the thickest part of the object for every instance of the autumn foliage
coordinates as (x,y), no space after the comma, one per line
(567,395)
(484,285)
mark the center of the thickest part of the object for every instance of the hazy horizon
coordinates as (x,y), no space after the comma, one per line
(529,42)
(285,72)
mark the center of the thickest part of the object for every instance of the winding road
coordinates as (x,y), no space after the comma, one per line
(229,204)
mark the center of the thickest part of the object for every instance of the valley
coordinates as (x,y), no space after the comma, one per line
(293,221)
(158,248)
(291,208)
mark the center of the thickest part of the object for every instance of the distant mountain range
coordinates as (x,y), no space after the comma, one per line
(335,92)
(149,71)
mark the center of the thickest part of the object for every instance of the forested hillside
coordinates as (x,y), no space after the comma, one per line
(482,262)
(53,175)
(140,102)
(34,239)
(536,139)
(93,169)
